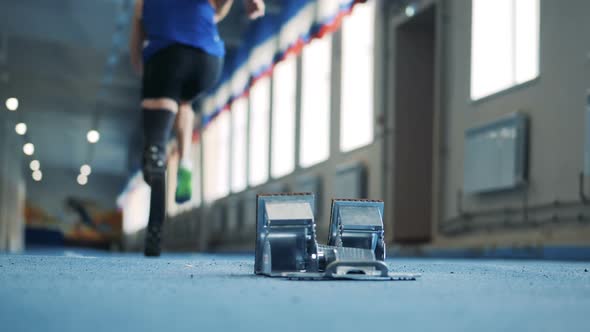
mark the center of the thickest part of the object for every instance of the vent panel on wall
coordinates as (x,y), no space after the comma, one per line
(276,187)
(351,181)
(311,184)
(248,224)
(218,219)
(496,155)
(233,215)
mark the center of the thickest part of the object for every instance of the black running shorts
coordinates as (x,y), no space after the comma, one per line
(180,72)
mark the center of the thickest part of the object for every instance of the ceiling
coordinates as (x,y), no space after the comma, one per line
(67,62)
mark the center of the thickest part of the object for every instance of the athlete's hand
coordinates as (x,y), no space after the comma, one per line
(254,8)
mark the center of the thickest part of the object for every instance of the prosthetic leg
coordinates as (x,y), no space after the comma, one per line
(155,174)
(157,127)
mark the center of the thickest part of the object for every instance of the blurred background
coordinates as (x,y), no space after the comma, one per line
(468,118)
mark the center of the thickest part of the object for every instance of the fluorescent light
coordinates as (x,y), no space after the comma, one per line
(29,149)
(93,136)
(21,128)
(12,104)
(35,165)
(85,170)
(410,11)
(37,175)
(82,179)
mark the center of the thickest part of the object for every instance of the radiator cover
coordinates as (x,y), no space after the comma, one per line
(496,155)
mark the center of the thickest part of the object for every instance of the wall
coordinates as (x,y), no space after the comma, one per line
(550,211)
(12,187)
(547,211)
(229,223)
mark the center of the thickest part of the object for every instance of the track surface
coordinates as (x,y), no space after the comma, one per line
(94,291)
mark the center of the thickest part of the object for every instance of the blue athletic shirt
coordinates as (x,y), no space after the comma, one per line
(188,22)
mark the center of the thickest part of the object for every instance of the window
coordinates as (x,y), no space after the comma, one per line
(239,124)
(283,117)
(315,102)
(356,109)
(259,128)
(216,158)
(504,45)
(196,176)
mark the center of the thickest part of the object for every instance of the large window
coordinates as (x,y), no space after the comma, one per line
(315,102)
(356,109)
(259,128)
(239,120)
(504,45)
(283,117)
(196,176)
(216,138)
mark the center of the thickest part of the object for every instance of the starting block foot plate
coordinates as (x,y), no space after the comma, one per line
(355,277)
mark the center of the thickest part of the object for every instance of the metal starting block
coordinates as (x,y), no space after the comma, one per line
(286,244)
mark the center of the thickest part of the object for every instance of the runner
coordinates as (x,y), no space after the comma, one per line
(175,45)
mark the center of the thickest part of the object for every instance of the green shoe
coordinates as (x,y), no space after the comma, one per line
(183,185)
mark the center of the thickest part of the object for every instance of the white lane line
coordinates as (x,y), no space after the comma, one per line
(68,253)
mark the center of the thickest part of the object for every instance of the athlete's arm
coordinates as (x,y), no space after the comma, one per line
(254,8)
(137,38)
(222,8)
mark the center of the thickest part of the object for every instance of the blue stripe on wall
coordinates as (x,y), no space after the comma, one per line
(576,253)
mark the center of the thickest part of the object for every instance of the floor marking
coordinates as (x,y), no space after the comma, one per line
(68,253)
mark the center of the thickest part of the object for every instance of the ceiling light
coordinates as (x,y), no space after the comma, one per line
(29,149)
(21,128)
(82,179)
(12,104)
(37,175)
(35,165)
(410,11)
(93,136)
(85,170)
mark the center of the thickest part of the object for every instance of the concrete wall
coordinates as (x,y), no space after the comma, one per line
(12,187)
(549,207)
(547,211)
(230,222)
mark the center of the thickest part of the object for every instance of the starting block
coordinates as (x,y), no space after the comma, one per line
(286,244)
